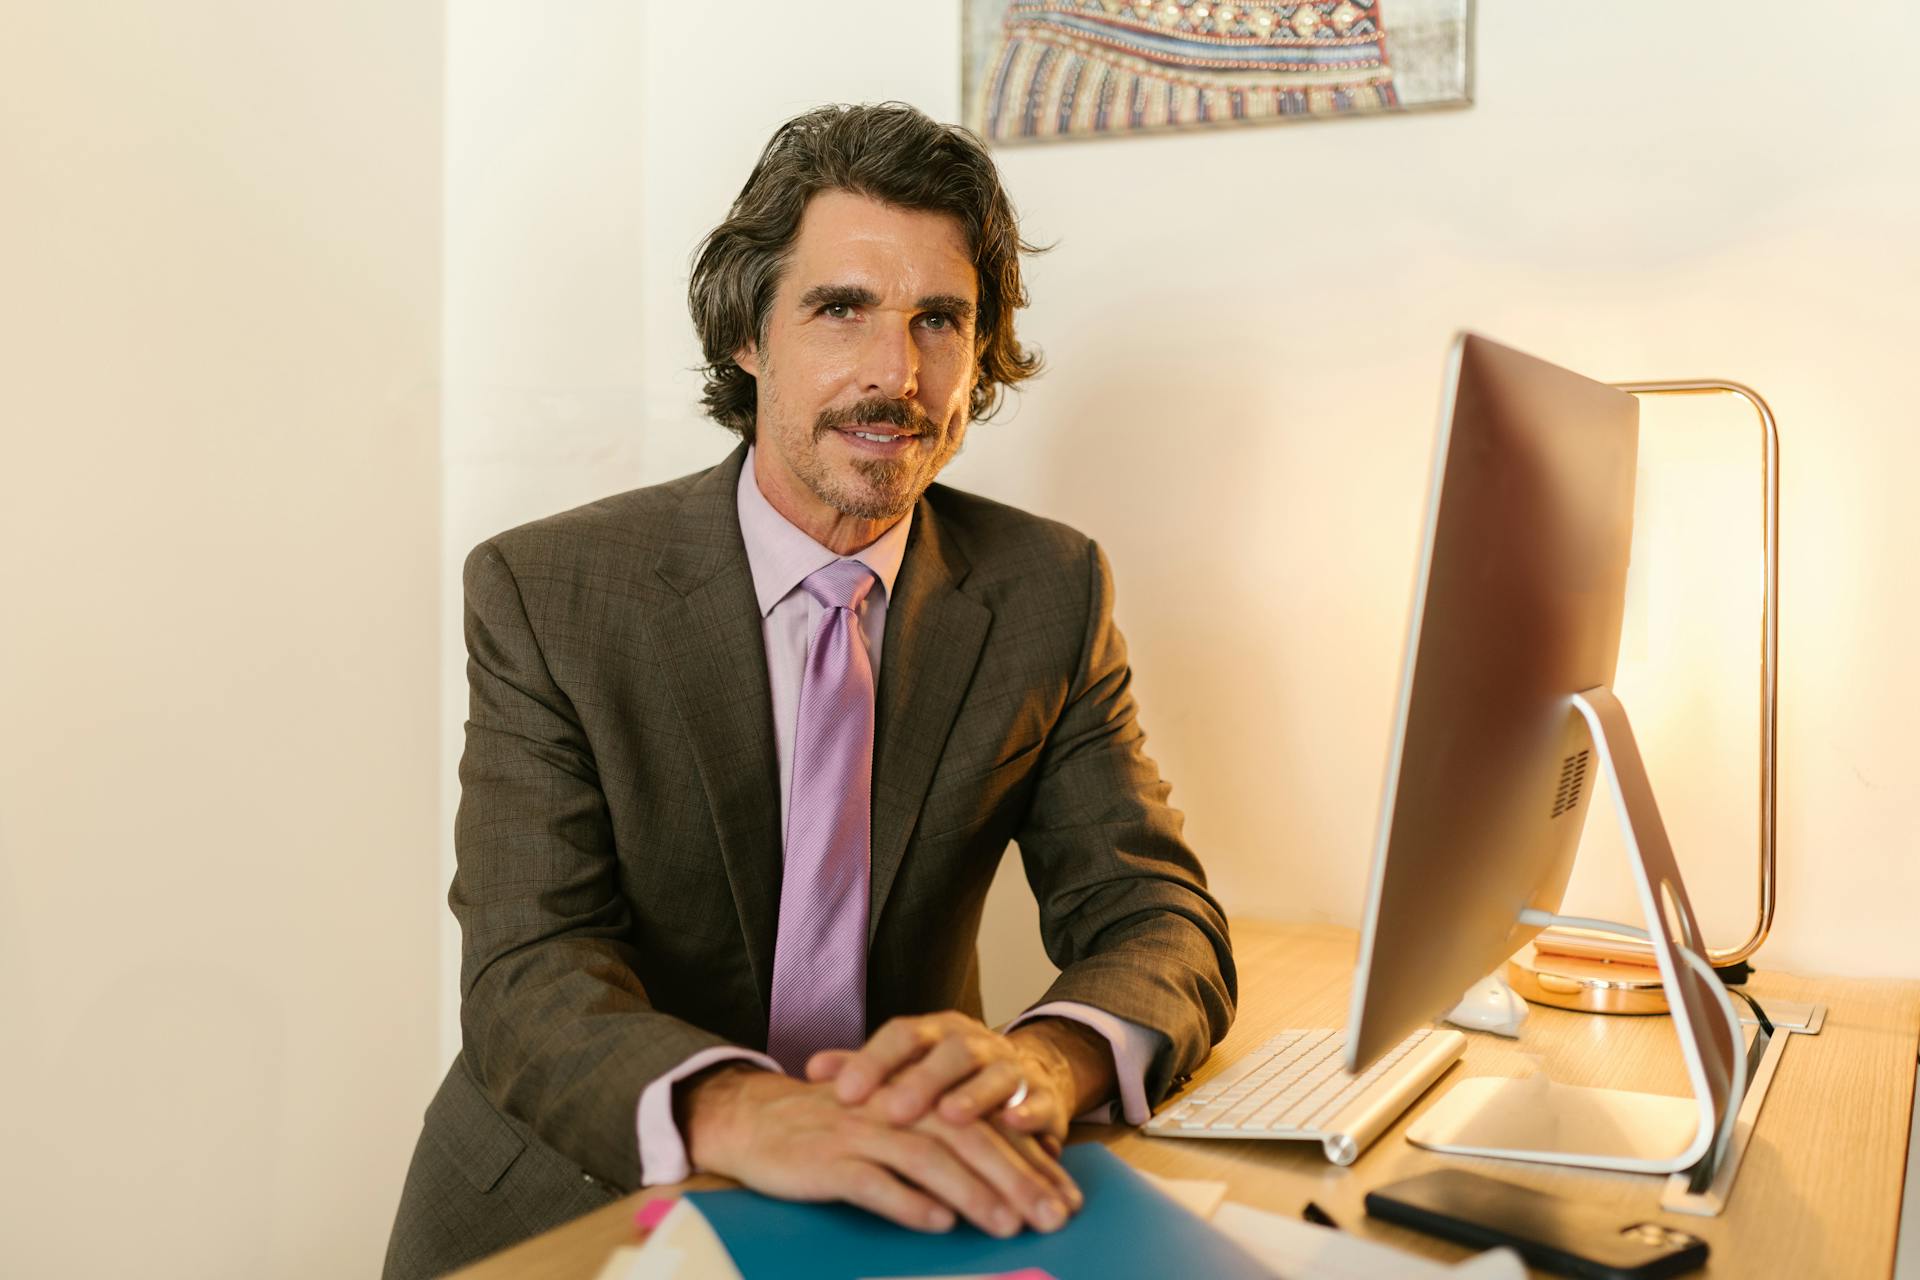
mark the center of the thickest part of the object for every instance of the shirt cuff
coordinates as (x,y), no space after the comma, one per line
(663,1149)
(1133,1046)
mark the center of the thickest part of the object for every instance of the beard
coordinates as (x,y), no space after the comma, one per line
(887,488)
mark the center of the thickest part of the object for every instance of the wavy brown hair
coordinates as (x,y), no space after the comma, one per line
(888,152)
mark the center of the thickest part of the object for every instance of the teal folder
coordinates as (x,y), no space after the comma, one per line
(1125,1229)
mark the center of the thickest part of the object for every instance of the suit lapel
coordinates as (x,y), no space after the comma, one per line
(934,635)
(709,637)
(710,640)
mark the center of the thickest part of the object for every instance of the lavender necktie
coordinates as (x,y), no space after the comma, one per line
(820,954)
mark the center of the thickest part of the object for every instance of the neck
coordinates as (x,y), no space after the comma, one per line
(835,530)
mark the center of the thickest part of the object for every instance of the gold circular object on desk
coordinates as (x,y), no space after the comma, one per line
(1589,986)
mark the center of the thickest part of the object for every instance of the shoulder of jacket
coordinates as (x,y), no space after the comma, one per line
(629,522)
(996,537)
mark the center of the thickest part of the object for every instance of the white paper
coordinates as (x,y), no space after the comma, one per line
(1296,1250)
(624,1263)
(682,1247)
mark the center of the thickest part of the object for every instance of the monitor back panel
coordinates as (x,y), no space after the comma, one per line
(1517,606)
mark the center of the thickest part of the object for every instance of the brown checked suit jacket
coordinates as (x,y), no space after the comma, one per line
(619,846)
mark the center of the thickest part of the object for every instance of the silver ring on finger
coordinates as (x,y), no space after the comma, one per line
(1019,1095)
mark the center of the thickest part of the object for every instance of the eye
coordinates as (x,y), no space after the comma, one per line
(838,310)
(937,320)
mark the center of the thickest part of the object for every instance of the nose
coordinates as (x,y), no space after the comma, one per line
(890,364)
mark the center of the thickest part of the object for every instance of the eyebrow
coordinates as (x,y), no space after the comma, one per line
(826,295)
(853,295)
(951,303)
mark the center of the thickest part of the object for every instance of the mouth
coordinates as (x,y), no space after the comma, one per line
(878,438)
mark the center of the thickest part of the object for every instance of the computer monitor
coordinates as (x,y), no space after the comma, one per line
(1504,721)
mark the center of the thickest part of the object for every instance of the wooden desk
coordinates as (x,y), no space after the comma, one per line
(1818,1195)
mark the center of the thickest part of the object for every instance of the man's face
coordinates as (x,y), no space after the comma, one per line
(866,368)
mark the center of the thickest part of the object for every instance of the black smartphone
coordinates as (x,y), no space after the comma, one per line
(1551,1232)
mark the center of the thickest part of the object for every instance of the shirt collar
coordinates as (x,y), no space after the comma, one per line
(780,556)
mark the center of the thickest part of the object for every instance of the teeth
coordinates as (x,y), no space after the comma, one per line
(868,435)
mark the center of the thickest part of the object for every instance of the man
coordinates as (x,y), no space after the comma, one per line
(745,749)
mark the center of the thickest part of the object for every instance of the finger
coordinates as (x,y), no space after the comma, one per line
(932,1166)
(1012,1173)
(827,1063)
(878,1191)
(1044,1155)
(900,1041)
(984,1093)
(912,1092)
(1041,1111)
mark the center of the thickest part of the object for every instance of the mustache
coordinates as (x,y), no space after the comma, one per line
(897,413)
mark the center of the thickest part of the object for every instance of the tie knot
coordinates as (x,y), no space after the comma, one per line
(840,585)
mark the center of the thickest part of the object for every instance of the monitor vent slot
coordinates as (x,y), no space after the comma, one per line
(1573,780)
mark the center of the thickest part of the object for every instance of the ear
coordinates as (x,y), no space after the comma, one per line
(748,358)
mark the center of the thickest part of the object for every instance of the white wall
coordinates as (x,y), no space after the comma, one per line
(219,229)
(543,345)
(1245,332)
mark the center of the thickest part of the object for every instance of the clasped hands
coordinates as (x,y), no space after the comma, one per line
(915,1125)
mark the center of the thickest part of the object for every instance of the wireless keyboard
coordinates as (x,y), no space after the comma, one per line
(1295,1086)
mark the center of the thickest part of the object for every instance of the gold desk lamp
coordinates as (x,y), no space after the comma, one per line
(1599,972)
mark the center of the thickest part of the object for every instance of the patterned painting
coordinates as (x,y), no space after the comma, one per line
(1037,70)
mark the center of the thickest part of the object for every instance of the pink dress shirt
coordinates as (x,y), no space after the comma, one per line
(780,556)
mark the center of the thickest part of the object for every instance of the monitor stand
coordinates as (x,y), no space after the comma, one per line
(1536,1119)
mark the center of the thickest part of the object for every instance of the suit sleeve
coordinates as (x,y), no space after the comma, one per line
(557,1028)
(1124,907)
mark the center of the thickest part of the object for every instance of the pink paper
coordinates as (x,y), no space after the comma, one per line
(648,1215)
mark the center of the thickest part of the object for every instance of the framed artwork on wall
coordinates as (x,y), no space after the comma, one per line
(1046,70)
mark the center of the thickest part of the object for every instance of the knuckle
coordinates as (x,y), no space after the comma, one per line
(903,1102)
(869,1183)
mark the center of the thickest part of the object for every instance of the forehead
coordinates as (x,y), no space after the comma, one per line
(846,238)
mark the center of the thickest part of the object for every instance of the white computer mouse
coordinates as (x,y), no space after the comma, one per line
(1490,1005)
